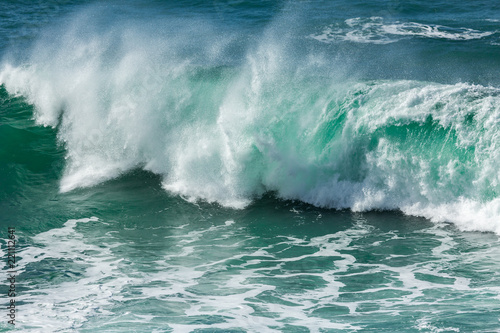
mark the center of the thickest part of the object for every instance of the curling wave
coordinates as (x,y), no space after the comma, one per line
(227,131)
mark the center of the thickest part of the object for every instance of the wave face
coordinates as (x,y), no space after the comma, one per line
(225,119)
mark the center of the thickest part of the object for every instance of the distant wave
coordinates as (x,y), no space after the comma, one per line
(375,30)
(127,97)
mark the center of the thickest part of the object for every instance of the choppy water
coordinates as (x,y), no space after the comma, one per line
(252,166)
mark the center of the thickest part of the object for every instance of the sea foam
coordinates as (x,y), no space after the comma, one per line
(376,30)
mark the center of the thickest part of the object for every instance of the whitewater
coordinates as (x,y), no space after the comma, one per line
(277,119)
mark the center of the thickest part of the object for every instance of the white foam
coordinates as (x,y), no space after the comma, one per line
(250,284)
(374,30)
(46,305)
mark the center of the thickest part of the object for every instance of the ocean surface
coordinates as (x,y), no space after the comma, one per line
(251,166)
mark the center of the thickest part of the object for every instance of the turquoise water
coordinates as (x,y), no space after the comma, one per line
(251,166)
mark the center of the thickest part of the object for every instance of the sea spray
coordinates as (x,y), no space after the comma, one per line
(226,128)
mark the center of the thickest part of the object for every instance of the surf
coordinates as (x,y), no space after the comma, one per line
(225,120)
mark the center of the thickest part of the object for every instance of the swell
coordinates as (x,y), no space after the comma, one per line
(224,125)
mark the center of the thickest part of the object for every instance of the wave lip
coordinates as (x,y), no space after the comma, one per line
(374,30)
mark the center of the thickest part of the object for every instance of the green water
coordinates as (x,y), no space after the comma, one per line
(250,166)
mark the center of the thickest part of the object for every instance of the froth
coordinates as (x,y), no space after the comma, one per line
(374,30)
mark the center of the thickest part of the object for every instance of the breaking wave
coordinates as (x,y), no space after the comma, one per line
(227,129)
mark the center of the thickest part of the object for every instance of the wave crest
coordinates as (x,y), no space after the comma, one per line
(228,132)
